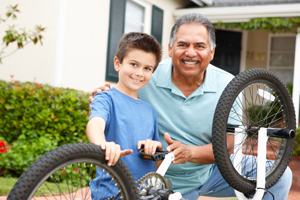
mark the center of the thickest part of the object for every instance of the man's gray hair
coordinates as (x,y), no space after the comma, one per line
(194,18)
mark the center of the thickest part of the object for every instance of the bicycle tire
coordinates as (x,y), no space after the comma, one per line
(70,168)
(237,105)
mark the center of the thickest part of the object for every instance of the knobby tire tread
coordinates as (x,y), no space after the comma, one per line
(219,129)
(30,178)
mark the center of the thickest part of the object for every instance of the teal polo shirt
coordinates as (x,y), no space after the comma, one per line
(188,120)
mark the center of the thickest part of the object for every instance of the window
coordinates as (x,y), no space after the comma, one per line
(137,16)
(127,16)
(282,56)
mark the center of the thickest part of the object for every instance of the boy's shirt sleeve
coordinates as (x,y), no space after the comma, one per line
(101,106)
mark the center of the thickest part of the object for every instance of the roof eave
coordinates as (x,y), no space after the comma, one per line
(242,13)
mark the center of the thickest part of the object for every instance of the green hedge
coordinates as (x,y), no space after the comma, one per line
(296,151)
(36,118)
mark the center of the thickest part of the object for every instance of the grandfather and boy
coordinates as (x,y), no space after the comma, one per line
(184,91)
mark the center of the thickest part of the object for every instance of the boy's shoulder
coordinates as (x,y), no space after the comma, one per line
(104,94)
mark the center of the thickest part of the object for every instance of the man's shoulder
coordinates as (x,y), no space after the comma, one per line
(220,72)
(163,64)
(160,72)
(220,76)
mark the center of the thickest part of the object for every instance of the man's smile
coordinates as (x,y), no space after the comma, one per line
(190,61)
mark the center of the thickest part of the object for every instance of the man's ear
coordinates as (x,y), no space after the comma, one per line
(212,53)
(117,63)
(170,50)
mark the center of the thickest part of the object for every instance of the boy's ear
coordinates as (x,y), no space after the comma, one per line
(117,63)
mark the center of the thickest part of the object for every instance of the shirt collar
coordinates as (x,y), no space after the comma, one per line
(165,80)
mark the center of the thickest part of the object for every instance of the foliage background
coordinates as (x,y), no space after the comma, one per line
(36,118)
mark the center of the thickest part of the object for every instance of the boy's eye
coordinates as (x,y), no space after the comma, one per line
(148,68)
(134,64)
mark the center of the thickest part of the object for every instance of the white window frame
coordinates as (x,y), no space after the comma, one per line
(269,50)
(147,20)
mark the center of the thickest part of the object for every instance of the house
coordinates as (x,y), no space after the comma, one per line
(81,37)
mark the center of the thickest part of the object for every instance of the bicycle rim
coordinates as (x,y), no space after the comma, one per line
(71,175)
(256,98)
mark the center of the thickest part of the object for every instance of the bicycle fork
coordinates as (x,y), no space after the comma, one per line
(261,161)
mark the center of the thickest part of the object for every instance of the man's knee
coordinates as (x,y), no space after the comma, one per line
(287,178)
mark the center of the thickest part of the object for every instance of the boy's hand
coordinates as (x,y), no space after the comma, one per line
(113,152)
(106,87)
(150,146)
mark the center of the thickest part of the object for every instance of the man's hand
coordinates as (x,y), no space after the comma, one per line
(106,87)
(113,152)
(181,152)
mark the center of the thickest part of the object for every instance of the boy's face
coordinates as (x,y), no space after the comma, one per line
(135,71)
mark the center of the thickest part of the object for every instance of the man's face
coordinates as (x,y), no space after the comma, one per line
(191,52)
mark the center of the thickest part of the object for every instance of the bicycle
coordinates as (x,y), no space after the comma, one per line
(255,106)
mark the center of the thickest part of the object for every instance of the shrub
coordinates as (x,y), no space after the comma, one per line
(36,118)
(296,150)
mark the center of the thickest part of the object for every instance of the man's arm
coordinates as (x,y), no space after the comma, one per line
(188,153)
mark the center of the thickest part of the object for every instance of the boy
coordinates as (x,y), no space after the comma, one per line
(119,119)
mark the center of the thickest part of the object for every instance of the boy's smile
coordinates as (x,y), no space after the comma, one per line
(135,71)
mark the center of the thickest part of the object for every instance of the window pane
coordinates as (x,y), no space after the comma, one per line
(283,43)
(286,75)
(131,26)
(134,19)
(282,59)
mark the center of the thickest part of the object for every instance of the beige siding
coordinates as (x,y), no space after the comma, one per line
(85,41)
(32,61)
(257,49)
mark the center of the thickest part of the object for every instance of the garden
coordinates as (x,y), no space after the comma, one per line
(35,119)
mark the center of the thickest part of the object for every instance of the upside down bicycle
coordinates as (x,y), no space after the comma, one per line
(254,123)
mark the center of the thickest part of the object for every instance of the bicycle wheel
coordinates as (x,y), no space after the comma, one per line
(255,98)
(67,173)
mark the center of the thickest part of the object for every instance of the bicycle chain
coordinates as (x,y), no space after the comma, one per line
(142,180)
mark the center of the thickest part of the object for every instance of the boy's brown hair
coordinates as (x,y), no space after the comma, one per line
(138,40)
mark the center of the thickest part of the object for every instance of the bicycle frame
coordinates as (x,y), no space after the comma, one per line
(261,164)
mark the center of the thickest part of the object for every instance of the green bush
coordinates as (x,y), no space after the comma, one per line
(36,118)
(296,150)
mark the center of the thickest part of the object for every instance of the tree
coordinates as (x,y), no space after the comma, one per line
(21,37)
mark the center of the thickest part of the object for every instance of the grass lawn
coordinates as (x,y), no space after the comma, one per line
(8,183)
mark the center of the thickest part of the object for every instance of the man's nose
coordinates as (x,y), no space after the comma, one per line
(190,51)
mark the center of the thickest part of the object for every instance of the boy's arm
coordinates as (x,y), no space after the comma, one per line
(95,130)
(95,133)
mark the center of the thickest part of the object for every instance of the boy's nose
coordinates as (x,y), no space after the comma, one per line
(139,72)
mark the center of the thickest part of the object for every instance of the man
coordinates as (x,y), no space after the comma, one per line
(184,91)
